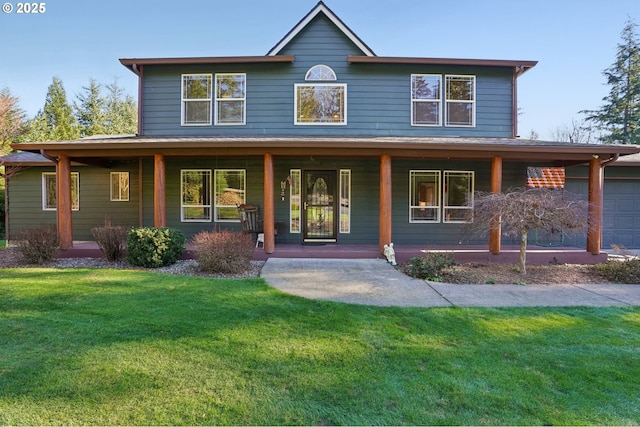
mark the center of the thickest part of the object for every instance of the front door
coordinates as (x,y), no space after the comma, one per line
(319,217)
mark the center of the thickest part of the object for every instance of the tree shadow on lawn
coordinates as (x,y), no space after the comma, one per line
(122,337)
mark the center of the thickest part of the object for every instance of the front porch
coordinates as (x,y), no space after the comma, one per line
(461,253)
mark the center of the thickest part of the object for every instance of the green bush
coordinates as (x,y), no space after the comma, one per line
(223,251)
(428,267)
(154,247)
(627,271)
(38,245)
(111,240)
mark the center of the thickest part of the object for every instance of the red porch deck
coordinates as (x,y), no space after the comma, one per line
(462,254)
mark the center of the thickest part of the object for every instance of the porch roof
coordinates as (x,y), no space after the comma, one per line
(462,148)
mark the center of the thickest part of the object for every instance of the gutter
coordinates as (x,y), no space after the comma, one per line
(612,159)
(44,154)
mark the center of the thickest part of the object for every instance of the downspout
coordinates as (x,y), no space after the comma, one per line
(514,113)
(44,154)
(612,159)
(138,70)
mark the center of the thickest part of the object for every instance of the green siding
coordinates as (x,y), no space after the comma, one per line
(378,95)
(25,200)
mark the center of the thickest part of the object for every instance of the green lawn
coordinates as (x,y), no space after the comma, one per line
(135,348)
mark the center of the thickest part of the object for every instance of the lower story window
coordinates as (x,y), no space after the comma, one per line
(458,196)
(195,188)
(49,191)
(424,203)
(119,186)
(436,196)
(230,185)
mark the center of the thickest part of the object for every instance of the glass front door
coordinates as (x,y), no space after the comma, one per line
(319,208)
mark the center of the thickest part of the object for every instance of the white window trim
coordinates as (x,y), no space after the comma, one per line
(183,100)
(459,101)
(114,197)
(295,104)
(296,184)
(437,207)
(435,101)
(219,100)
(446,207)
(332,77)
(74,175)
(215,194)
(345,181)
(183,206)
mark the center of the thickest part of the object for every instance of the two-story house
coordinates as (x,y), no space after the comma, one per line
(332,142)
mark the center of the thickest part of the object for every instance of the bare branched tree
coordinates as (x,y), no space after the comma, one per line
(521,210)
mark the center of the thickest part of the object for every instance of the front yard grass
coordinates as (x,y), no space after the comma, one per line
(117,347)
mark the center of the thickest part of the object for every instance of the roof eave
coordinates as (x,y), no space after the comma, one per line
(130,63)
(521,66)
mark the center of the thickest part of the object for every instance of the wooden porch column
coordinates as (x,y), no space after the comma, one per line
(596,184)
(269,208)
(384,234)
(496,187)
(159,192)
(64,205)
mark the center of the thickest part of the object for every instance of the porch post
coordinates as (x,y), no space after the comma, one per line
(496,187)
(269,209)
(384,234)
(64,203)
(596,184)
(159,195)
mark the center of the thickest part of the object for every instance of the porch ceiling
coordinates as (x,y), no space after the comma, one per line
(403,147)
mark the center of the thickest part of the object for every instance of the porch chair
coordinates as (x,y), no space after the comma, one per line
(250,222)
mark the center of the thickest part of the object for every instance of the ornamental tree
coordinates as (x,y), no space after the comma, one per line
(522,210)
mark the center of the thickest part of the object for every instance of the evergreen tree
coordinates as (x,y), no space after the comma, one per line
(121,112)
(38,129)
(58,113)
(90,110)
(619,118)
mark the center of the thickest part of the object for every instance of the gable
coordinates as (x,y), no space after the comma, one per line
(320,10)
(321,39)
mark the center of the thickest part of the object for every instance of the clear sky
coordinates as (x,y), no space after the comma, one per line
(75,40)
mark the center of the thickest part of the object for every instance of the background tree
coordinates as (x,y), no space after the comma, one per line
(577,132)
(522,210)
(90,110)
(12,120)
(121,112)
(619,117)
(59,116)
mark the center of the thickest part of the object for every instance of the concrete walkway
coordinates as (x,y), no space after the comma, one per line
(375,282)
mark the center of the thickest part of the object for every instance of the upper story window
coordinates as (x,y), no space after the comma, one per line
(460,98)
(230,99)
(426,100)
(320,103)
(320,72)
(196,99)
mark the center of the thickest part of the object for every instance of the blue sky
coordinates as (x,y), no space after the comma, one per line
(75,40)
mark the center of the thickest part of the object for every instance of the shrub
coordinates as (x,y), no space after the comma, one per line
(154,247)
(38,245)
(429,267)
(223,251)
(627,271)
(111,240)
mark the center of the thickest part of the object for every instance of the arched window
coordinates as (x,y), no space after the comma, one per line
(320,72)
(320,103)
